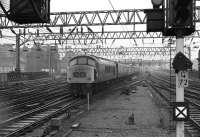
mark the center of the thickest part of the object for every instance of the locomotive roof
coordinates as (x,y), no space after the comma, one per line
(97,58)
(93,57)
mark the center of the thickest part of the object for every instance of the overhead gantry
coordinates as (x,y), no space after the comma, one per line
(130,51)
(88,25)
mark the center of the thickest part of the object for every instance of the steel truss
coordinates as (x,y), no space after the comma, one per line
(96,35)
(96,18)
(88,18)
(127,53)
(124,52)
(143,62)
(100,35)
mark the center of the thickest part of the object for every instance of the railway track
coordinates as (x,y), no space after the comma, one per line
(192,96)
(23,84)
(54,96)
(19,101)
(28,121)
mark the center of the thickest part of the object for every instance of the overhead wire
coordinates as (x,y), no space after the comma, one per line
(6,5)
(122,25)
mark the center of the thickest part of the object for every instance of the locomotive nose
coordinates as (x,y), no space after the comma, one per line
(81,74)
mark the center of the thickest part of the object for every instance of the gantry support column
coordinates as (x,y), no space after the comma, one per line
(17,69)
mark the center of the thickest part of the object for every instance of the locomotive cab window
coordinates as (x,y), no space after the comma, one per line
(73,62)
(91,62)
(82,61)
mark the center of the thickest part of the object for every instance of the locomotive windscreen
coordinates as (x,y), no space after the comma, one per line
(82,61)
(91,62)
(73,62)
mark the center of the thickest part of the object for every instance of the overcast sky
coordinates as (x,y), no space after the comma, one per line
(91,5)
(84,5)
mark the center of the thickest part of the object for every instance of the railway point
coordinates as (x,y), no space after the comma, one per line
(103,68)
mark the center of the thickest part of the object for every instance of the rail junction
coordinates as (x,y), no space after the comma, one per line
(116,65)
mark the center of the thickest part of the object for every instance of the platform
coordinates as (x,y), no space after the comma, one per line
(109,117)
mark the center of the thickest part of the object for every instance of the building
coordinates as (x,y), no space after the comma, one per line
(42,59)
(65,60)
(8,58)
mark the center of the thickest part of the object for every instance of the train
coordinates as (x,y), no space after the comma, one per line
(87,73)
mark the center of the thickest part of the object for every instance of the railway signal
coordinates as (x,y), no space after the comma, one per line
(181,62)
(155,17)
(181,12)
(178,21)
(28,11)
(179,16)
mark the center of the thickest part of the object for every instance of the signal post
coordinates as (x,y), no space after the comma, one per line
(175,18)
(179,90)
(180,23)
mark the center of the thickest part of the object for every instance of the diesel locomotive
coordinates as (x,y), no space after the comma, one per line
(87,73)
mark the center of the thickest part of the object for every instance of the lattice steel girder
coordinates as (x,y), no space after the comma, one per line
(96,35)
(100,35)
(88,18)
(138,51)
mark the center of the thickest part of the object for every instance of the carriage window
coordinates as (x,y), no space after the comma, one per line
(82,61)
(73,62)
(91,62)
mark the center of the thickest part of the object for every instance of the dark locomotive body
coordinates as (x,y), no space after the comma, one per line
(89,73)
